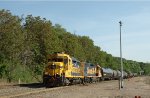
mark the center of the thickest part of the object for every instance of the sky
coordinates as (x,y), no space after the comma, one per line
(97,19)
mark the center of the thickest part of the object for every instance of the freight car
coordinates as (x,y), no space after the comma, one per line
(118,74)
(125,75)
(130,74)
(115,74)
(110,74)
(107,74)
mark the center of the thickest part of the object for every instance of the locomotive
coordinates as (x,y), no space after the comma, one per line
(62,69)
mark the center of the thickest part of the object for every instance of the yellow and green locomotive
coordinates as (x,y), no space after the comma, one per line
(92,73)
(62,69)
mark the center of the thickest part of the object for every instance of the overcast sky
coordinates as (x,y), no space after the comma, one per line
(99,20)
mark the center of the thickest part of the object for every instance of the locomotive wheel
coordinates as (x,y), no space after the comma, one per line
(65,82)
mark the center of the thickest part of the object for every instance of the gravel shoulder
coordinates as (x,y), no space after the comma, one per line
(137,86)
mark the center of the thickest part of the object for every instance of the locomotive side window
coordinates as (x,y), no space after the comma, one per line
(76,63)
(65,61)
(55,60)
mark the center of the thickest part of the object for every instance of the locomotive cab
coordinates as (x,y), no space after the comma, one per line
(61,69)
(56,69)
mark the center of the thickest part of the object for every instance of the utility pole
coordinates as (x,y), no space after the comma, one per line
(121,78)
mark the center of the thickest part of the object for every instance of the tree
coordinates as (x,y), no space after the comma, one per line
(11,40)
(38,42)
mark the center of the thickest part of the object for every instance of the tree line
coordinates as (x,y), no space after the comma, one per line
(26,42)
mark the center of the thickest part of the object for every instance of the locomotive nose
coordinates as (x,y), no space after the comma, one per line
(52,66)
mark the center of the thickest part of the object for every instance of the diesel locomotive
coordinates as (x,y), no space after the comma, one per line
(62,69)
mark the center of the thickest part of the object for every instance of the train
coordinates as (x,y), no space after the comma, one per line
(62,69)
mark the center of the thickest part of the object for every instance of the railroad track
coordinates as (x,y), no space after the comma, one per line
(31,89)
(32,92)
(14,91)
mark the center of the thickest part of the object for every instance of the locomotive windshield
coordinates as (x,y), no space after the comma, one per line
(55,60)
(58,59)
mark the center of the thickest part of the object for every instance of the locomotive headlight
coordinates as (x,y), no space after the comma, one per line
(60,66)
(46,73)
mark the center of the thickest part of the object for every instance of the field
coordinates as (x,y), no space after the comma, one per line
(137,86)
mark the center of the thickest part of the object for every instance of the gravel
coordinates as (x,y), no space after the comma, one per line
(105,89)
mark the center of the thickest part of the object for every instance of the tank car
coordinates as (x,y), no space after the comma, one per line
(125,75)
(107,73)
(115,74)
